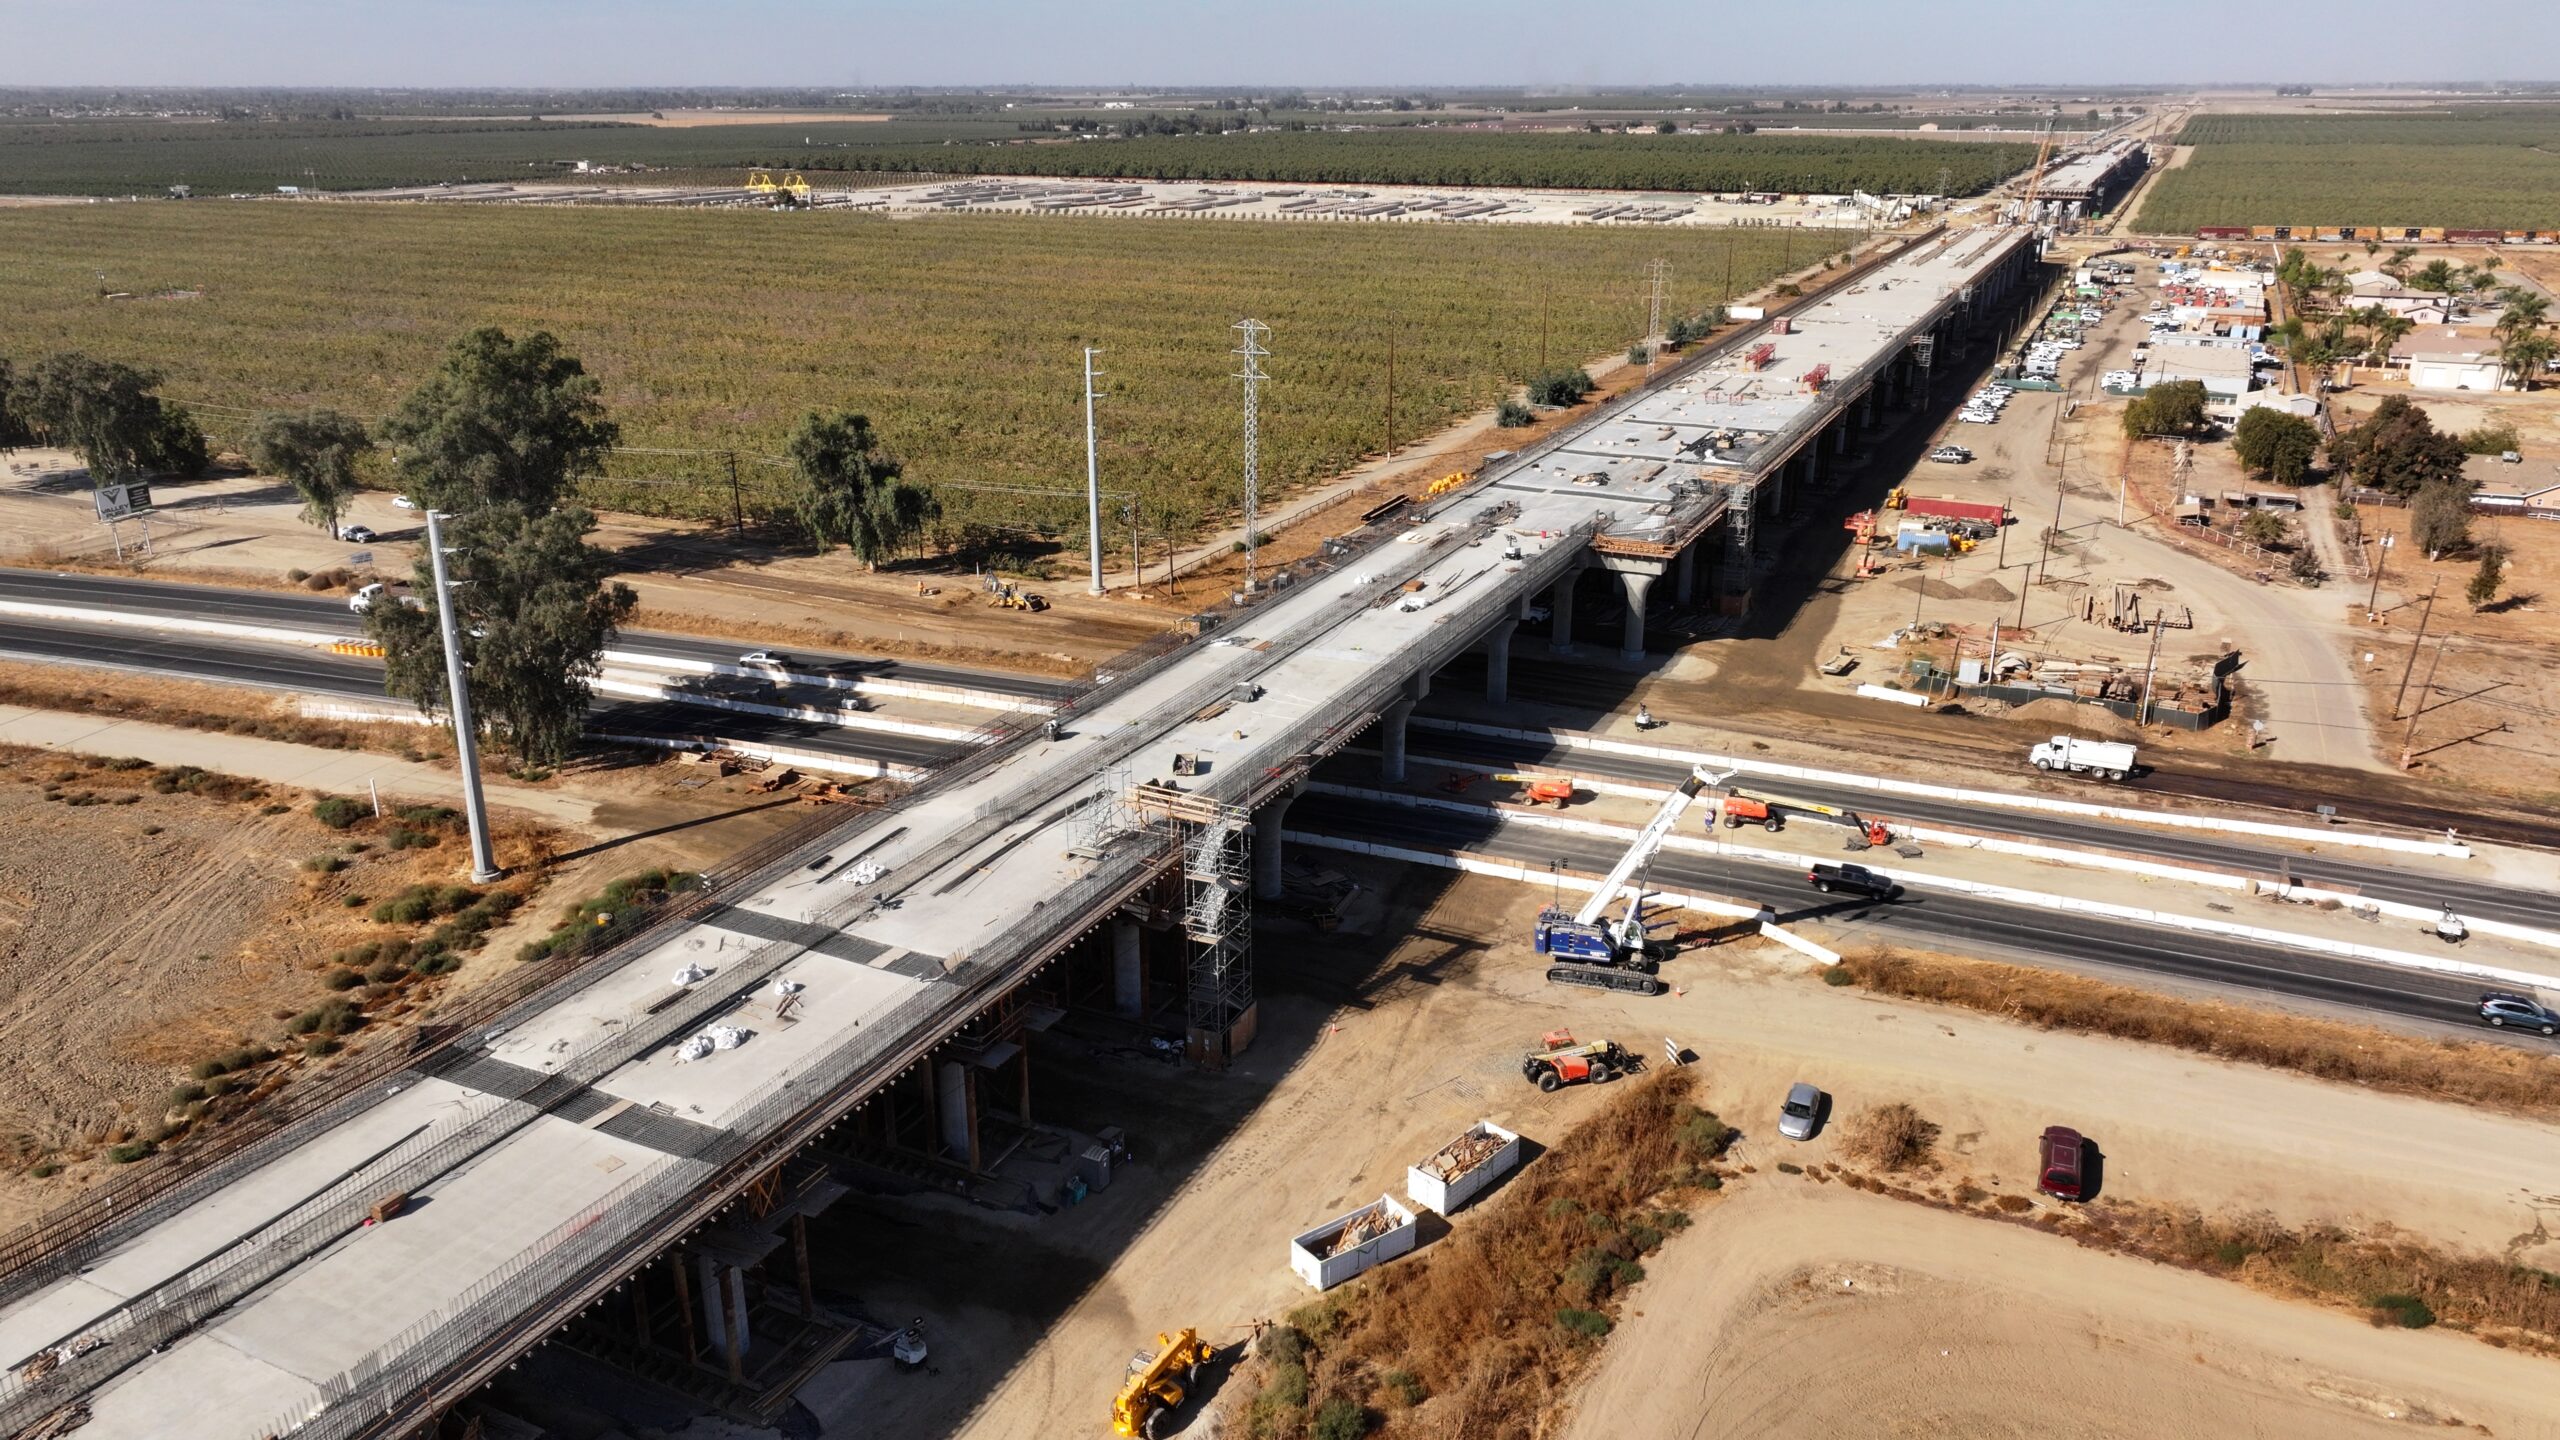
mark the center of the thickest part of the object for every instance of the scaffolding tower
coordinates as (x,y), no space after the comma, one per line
(1217,912)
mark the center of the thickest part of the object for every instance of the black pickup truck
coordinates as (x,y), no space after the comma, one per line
(1855,879)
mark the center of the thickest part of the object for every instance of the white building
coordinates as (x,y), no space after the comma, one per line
(2446,358)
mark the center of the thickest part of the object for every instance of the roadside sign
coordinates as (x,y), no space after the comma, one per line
(122,500)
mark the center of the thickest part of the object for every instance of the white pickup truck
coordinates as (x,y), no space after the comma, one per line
(2108,759)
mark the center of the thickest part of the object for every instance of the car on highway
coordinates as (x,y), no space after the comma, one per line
(2058,1157)
(366,598)
(763,657)
(1856,879)
(358,535)
(1802,1112)
(403,502)
(2521,1012)
(1951,455)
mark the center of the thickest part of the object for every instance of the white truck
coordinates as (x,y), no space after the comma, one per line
(2107,759)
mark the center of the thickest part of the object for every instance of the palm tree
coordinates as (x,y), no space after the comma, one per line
(2526,355)
(2397,267)
(2388,331)
(2436,278)
(2524,315)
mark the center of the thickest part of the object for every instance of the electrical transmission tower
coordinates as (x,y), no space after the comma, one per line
(1253,354)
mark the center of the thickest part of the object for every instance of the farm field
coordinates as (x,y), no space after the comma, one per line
(141,157)
(2466,167)
(959,336)
(1795,164)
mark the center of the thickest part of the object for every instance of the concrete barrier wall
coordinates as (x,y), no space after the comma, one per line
(170,624)
(796,759)
(2406,845)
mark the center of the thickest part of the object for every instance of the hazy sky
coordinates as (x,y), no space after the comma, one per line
(1242,42)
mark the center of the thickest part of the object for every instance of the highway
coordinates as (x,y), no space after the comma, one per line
(329,615)
(354,678)
(2484,899)
(1959,924)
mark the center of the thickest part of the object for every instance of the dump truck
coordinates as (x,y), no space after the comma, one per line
(1156,1383)
(2107,759)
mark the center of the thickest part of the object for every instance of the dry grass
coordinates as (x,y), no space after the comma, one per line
(1891,1137)
(1481,1335)
(2501,1077)
(191,706)
(2390,1277)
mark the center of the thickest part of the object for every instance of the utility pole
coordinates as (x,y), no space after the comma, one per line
(466,743)
(1253,354)
(2150,667)
(2004,533)
(2409,737)
(1542,327)
(737,505)
(1391,392)
(2381,558)
(2414,646)
(1092,477)
(1661,272)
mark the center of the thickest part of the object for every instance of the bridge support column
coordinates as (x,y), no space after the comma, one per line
(1560,613)
(1867,409)
(1268,848)
(1497,662)
(1391,730)
(956,1106)
(684,1305)
(724,1311)
(1684,575)
(1839,437)
(1128,968)
(1639,585)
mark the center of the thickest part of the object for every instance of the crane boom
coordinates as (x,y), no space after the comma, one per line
(1648,840)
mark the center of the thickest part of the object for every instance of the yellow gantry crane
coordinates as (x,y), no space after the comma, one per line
(791,189)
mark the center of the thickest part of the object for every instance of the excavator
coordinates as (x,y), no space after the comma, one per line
(1156,1383)
(1592,952)
(1771,812)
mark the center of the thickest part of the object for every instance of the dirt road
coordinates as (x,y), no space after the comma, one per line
(1793,1309)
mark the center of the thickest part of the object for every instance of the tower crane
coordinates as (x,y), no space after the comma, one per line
(1595,952)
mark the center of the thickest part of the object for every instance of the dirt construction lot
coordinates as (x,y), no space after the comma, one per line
(1375,1050)
(1796,1310)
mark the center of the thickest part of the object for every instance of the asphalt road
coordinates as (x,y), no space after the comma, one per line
(2478,898)
(316,672)
(329,614)
(1961,924)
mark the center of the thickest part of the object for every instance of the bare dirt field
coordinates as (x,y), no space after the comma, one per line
(1801,1310)
(153,917)
(1380,1041)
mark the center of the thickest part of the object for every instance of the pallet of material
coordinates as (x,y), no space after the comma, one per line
(1462,1169)
(1351,1244)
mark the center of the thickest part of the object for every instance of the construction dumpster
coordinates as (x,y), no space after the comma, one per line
(1462,1169)
(1347,1245)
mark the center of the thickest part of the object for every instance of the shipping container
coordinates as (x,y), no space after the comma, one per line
(1476,1168)
(1323,1261)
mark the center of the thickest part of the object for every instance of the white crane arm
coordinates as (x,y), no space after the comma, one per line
(1648,840)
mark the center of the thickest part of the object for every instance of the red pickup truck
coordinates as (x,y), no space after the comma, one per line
(2058,1163)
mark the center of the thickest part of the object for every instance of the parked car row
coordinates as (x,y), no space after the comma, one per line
(1985,406)
(2062,1153)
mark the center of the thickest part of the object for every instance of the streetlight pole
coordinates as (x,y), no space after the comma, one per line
(466,744)
(1092,477)
(2381,558)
